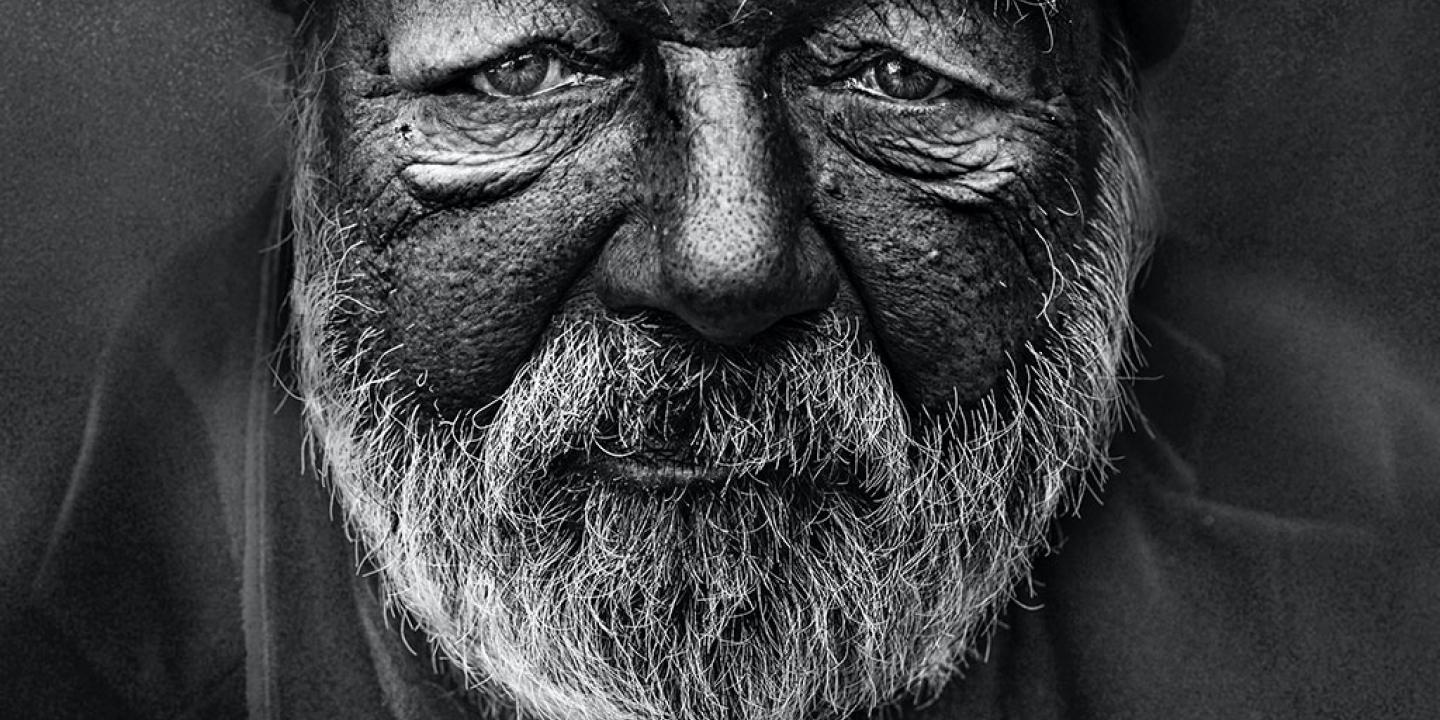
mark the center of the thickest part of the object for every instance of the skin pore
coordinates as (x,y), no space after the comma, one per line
(702,360)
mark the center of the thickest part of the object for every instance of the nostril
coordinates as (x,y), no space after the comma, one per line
(673,329)
(732,333)
(743,320)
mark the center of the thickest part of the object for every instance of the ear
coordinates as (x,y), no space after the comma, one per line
(1154,28)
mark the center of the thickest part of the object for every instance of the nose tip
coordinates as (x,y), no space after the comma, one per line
(730,287)
(729,251)
(727,284)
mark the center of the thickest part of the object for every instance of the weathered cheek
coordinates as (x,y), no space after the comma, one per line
(468,294)
(953,320)
(955,287)
(469,300)
(950,298)
(472,224)
(952,228)
(457,297)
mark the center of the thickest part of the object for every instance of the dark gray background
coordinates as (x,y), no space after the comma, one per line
(1297,137)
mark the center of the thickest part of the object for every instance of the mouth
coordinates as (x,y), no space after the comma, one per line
(650,471)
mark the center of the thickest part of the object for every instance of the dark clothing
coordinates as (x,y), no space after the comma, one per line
(1268,547)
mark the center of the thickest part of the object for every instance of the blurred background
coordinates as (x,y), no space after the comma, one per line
(1296,139)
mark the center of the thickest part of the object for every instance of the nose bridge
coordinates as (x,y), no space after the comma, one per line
(731,252)
(720,238)
(734,138)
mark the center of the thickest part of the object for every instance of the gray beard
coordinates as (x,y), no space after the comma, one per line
(847,555)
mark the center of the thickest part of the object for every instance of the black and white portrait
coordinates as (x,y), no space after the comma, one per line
(720,360)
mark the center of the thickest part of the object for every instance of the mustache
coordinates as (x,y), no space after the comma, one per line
(811,396)
(812,408)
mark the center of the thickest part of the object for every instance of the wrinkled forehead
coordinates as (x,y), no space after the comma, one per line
(1055,28)
(721,22)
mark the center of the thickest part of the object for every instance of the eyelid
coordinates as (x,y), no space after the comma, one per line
(592,61)
(460,67)
(423,56)
(861,81)
(864,59)
(964,76)
(581,68)
(574,74)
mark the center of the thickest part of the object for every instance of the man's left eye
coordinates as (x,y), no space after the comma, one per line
(895,77)
(527,74)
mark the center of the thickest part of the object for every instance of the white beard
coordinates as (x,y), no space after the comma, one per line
(847,559)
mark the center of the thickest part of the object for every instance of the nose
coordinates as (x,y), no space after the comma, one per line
(727,248)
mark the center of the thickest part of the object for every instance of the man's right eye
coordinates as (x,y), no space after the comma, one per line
(527,74)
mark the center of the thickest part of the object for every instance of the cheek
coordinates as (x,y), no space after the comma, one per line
(953,293)
(461,297)
(955,222)
(473,228)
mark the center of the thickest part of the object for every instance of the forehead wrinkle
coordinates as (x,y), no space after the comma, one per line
(716,22)
(955,19)
(995,11)
(1012,32)
(435,27)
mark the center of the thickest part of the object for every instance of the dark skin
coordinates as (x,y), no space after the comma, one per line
(920,166)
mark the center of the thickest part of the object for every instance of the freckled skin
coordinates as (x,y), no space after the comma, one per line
(719,170)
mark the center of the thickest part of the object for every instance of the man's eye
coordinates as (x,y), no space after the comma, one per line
(526,75)
(895,77)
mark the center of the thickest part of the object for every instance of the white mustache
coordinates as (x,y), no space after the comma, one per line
(610,387)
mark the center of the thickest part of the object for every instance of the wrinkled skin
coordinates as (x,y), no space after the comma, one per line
(729,165)
(698,361)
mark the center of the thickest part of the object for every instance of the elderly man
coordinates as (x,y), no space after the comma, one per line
(707,360)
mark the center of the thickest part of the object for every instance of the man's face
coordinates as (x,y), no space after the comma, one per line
(715,358)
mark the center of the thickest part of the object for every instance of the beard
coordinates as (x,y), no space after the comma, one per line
(839,553)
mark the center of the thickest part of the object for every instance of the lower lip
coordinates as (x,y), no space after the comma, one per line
(649,473)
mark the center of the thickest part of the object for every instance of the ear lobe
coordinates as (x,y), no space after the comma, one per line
(1154,28)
